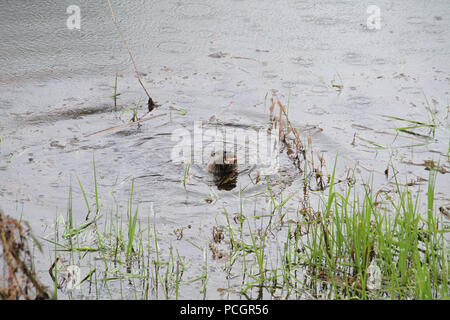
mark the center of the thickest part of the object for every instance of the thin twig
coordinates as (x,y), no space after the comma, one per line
(151,104)
(131,123)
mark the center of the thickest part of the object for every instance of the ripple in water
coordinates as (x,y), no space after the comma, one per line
(174,47)
(325,21)
(256,27)
(187,67)
(109,61)
(411,90)
(379,61)
(168,29)
(354,59)
(359,100)
(316,111)
(323,46)
(302,61)
(307,18)
(414,20)
(289,84)
(228,65)
(224,93)
(269,75)
(184,99)
(303,5)
(204,34)
(433,29)
(5,104)
(319,89)
(195,10)
(217,75)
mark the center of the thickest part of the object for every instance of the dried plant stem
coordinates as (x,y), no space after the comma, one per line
(295,131)
(18,260)
(151,104)
(128,124)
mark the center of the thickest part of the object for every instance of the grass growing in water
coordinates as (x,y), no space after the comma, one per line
(116,94)
(352,247)
(332,252)
(124,248)
(351,231)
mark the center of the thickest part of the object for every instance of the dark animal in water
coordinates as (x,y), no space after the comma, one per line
(222,162)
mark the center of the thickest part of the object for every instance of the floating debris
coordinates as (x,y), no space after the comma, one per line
(218,55)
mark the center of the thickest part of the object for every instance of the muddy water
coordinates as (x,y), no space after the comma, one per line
(203,59)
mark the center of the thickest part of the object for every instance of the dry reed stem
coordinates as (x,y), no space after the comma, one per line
(128,124)
(151,104)
(21,280)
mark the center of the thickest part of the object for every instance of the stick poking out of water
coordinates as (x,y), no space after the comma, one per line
(151,104)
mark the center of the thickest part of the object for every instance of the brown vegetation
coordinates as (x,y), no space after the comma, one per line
(17,278)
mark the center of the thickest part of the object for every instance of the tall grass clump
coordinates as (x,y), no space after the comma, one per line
(353,238)
(127,250)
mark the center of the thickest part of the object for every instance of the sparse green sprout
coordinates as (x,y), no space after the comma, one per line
(116,94)
(414,125)
(339,86)
(186,173)
(181,111)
